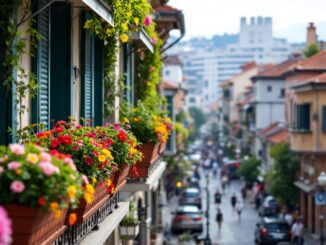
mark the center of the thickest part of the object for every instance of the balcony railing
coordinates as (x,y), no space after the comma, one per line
(75,234)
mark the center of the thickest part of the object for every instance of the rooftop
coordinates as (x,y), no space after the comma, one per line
(316,62)
(276,70)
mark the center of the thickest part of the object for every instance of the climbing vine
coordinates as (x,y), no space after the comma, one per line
(15,77)
(128,16)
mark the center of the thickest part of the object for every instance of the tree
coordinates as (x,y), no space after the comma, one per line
(280,180)
(249,170)
(311,50)
(198,116)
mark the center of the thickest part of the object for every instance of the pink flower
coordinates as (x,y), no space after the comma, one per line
(5,228)
(1,170)
(85,179)
(70,162)
(17,149)
(47,168)
(17,186)
(148,20)
(154,40)
(45,157)
(13,165)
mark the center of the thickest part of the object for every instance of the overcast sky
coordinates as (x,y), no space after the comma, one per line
(209,17)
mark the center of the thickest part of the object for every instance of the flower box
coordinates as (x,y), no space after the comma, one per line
(120,177)
(86,210)
(34,225)
(129,232)
(150,154)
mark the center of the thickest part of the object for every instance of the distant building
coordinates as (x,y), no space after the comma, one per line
(204,69)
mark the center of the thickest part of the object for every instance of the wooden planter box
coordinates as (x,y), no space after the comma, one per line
(86,210)
(129,232)
(120,177)
(35,226)
(150,154)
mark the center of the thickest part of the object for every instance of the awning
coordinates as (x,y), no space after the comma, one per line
(101,9)
(304,186)
(151,182)
(142,37)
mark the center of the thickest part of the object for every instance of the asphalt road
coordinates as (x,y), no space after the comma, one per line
(233,232)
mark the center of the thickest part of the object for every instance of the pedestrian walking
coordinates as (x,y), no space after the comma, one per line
(218,197)
(239,208)
(233,200)
(215,168)
(297,232)
(219,219)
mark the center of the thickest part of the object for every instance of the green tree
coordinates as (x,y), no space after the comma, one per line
(198,116)
(311,50)
(249,170)
(280,179)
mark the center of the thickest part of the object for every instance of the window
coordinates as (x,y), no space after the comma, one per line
(167,72)
(269,88)
(282,93)
(192,100)
(303,117)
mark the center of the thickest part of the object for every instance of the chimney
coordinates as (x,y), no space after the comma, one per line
(311,34)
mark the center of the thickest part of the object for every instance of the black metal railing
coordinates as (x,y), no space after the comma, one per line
(75,234)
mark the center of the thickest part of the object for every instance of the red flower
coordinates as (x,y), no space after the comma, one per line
(54,152)
(41,201)
(78,126)
(88,160)
(75,148)
(135,170)
(58,129)
(96,153)
(41,135)
(55,143)
(59,123)
(109,142)
(67,139)
(122,135)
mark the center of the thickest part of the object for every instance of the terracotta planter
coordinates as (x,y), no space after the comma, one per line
(120,177)
(150,154)
(35,226)
(86,210)
(162,147)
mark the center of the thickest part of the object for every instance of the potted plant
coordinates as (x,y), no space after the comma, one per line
(91,156)
(129,225)
(37,188)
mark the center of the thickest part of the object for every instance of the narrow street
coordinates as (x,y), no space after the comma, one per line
(233,231)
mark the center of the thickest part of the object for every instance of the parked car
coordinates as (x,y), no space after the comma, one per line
(190,196)
(271,231)
(268,207)
(187,218)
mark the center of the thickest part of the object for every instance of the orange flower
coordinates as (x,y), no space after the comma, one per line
(72,219)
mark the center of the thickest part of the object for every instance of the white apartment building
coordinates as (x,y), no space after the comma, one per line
(204,70)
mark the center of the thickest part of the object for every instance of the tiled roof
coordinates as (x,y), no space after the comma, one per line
(279,136)
(264,132)
(172,59)
(277,70)
(168,85)
(318,61)
(321,78)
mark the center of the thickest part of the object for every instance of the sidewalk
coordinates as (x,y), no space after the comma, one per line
(311,239)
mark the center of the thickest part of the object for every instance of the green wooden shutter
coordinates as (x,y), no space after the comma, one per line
(99,82)
(87,54)
(41,67)
(61,61)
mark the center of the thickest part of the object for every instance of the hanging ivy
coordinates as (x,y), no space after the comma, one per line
(17,44)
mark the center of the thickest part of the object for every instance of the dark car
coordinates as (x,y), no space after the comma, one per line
(193,183)
(268,207)
(187,218)
(270,231)
(191,196)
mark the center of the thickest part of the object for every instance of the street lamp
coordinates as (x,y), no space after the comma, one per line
(321,182)
(207,240)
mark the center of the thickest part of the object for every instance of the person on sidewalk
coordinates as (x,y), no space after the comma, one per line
(219,219)
(218,197)
(239,208)
(233,200)
(298,232)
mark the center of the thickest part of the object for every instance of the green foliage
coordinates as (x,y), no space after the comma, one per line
(198,116)
(249,170)
(130,219)
(17,43)
(280,179)
(311,50)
